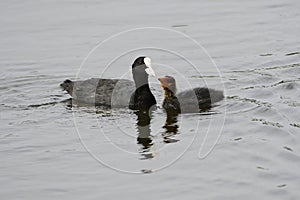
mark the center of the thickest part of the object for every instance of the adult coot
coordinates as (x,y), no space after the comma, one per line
(116,92)
(194,100)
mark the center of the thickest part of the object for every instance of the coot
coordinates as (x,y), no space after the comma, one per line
(193,100)
(116,92)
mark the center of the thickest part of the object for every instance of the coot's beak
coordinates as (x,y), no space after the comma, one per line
(149,69)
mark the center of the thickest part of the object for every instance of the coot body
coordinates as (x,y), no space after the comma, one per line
(100,92)
(189,101)
(116,93)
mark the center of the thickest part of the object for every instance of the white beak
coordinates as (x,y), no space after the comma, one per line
(149,69)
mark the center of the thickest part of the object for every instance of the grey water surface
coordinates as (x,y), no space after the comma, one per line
(245,147)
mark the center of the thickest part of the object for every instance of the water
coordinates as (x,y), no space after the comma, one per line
(51,150)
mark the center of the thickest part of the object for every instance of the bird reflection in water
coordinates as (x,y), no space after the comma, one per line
(144,133)
(171,128)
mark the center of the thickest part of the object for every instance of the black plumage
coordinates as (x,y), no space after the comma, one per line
(116,92)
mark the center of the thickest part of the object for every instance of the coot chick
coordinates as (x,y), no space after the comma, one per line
(116,92)
(188,101)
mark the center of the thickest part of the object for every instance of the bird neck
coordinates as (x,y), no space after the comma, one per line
(171,103)
(169,93)
(140,77)
(141,84)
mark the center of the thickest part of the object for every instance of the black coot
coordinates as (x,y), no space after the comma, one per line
(116,92)
(194,100)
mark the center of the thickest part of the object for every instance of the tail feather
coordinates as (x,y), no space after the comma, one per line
(67,85)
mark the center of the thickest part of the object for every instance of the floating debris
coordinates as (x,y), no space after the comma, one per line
(295,125)
(266,54)
(288,148)
(281,186)
(146,171)
(179,25)
(293,53)
(237,139)
(262,168)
